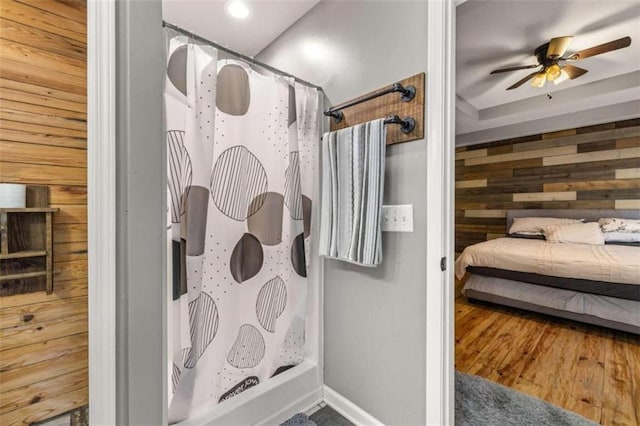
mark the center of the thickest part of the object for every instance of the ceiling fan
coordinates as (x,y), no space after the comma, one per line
(549,56)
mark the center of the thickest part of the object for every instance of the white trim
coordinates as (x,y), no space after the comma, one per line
(348,409)
(272,402)
(101,210)
(440,149)
(301,405)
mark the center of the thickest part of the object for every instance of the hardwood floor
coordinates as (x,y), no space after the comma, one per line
(589,370)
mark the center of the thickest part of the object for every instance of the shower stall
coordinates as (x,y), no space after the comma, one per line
(243,277)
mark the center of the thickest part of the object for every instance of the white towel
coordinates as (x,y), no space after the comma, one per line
(352,189)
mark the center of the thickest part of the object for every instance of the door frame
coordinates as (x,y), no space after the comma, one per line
(440,119)
(101,153)
(101,213)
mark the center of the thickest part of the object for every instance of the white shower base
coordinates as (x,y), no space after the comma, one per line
(270,403)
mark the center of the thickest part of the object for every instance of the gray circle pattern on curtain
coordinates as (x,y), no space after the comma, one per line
(246,259)
(266,223)
(177,69)
(180,173)
(203,326)
(248,349)
(238,183)
(271,302)
(292,187)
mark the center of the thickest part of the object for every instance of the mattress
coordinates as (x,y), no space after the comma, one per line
(621,314)
(601,263)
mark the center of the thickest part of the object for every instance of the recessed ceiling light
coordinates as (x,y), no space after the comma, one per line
(237,9)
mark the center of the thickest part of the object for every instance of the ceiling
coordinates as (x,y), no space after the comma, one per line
(491,34)
(208,18)
(494,34)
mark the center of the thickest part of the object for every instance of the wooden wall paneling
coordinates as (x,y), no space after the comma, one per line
(18,152)
(69,233)
(43,113)
(78,117)
(522,155)
(628,143)
(595,167)
(40,312)
(40,18)
(61,290)
(45,93)
(627,204)
(41,76)
(70,214)
(389,104)
(23,34)
(68,194)
(42,174)
(47,408)
(40,138)
(47,101)
(40,352)
(578,139)
(46,389)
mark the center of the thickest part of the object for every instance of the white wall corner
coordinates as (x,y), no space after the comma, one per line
(348,409)
(101,210)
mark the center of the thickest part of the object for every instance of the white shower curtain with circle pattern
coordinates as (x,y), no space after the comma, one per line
(242,156)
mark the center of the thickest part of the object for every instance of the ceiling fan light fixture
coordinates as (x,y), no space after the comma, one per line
(539,79)
(553,72)
(563,77)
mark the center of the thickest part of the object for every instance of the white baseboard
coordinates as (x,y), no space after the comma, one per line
(348,409)
(301,405)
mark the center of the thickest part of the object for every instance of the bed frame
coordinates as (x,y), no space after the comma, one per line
(590,215)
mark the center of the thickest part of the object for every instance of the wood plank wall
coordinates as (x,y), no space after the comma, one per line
(589,167)
(43,113)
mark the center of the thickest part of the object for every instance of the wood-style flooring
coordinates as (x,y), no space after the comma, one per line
(589,370)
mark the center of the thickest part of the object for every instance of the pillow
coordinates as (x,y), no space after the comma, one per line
(534,225)
(622,237)
(527,235)
(614,224)
(576,233)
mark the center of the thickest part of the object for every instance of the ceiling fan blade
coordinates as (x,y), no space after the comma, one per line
(557,46)
(521,82)
(573,71)
(521,67)
(601,48)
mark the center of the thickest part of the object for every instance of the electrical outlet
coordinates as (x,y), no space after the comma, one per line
(397,218)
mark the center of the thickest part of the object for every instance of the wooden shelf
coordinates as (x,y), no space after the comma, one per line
(23,275)
(31,210)
(23,254)
(26,244)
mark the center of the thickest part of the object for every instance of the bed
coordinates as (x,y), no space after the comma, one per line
(596,284)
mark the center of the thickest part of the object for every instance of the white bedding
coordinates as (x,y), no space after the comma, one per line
(609,263)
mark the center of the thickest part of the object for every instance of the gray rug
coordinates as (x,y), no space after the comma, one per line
(299,419)
(482,402)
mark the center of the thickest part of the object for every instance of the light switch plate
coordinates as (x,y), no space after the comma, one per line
(397,218)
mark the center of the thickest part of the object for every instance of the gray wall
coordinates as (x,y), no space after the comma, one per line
(140,221)
(374,318)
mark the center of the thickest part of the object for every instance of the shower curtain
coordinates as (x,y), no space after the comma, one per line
(242,151)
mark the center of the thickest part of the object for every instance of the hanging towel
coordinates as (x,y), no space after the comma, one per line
(352,188)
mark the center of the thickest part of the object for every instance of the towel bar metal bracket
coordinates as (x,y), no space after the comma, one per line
(407,110)
(407,124)
(406,95)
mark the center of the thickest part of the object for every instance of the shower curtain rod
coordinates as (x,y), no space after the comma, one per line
(239,55)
